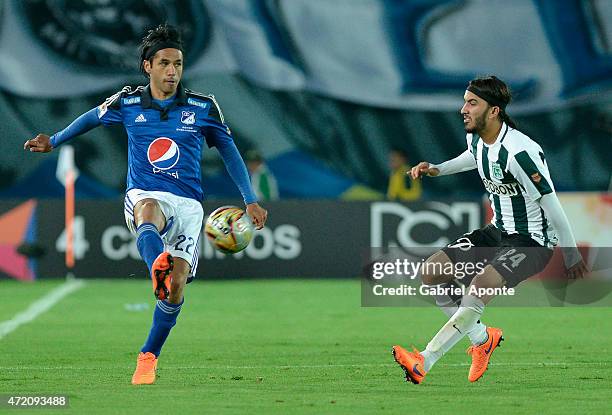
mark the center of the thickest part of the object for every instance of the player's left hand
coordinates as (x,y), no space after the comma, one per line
(578,270)
(258,214)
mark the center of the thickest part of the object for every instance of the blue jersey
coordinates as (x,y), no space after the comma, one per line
(165,143)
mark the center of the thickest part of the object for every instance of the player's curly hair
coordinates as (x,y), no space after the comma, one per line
(497,88)
(163,35)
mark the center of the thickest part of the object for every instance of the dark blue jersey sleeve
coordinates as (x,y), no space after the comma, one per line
(218,135)
(109,112)
(79,126)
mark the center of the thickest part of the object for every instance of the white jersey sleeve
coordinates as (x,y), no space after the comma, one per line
(463,162)
(530,170)
(554,212)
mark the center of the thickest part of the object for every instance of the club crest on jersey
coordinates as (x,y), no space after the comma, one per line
(497,171)
(188,117)
(536,177)
(163,153)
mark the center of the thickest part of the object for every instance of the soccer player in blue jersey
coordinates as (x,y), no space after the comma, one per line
(167,126)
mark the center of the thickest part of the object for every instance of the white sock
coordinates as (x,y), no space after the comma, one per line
(463,321)
(478,335)
(432,356)
(449,307)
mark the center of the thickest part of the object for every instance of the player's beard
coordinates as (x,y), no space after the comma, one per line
(479,124)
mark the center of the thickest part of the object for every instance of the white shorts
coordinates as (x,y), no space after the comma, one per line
(183,229)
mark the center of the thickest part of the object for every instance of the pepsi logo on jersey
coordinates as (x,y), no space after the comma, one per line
(163,153)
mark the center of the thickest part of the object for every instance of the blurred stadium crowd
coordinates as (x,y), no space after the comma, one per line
(322,91)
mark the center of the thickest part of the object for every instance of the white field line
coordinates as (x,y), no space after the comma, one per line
(39,306)
(287,367)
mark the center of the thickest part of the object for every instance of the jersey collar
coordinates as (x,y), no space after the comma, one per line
(502,133)
(146,100)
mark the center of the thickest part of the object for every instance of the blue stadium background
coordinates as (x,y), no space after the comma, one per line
(322,88)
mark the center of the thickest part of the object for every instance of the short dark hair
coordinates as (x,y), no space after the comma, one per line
(164,34)
(496,88)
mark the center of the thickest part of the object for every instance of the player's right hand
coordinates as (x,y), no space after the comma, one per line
(422,169)
(578,270)
(39,144)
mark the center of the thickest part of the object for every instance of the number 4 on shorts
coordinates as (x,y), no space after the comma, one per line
(514,258)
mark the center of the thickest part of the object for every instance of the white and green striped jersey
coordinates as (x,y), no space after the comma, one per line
(514,173)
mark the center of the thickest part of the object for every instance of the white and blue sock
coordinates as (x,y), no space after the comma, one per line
(149,242)
(164,318)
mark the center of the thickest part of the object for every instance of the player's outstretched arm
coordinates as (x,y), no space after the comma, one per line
(39,144)
(463,162)
(422,169)
(42,143)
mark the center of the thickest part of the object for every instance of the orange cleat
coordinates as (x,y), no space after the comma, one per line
(160,274)
(412,363)
(145,369)
(481,354)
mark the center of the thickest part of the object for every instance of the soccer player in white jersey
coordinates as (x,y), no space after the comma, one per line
(528,222)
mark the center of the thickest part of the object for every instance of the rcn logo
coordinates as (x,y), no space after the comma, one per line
(422,228)
(163,153)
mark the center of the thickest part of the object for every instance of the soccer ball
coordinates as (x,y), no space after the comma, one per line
(229,229)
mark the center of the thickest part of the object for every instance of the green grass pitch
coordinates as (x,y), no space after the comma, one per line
(294,346)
